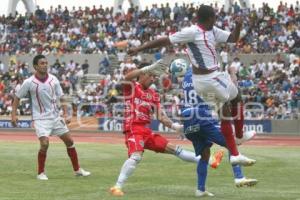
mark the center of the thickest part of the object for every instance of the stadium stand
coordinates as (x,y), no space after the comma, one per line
(273,83)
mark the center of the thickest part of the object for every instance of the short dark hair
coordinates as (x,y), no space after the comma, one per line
(37,58)
(205,12)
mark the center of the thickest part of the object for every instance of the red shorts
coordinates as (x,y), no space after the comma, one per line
(141,138)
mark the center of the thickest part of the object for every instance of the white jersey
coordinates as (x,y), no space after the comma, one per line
(44,96)
(201,44)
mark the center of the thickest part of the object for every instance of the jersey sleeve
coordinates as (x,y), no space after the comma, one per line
(23,90)
(184,36)
(221,35)
(58,90)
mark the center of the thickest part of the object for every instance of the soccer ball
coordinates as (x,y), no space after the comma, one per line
(179,67)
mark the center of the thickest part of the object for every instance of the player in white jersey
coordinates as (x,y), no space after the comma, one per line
(213,86)
(45,94)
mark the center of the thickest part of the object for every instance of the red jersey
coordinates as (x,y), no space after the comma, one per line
(140,104)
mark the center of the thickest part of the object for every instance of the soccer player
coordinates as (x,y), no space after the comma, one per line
(212,85)
(45,92)
(201,129)
(141,102)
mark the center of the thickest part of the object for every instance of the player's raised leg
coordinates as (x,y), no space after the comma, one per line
(227,131)
(181,153)
(190,156)
(237,112)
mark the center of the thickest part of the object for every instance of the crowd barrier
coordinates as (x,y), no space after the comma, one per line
(274,127)
(94,59)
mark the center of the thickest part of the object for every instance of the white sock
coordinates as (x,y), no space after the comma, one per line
(187,156)
(126,171)
(211,160)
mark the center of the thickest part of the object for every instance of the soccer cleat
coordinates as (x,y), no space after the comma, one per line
(246,137)
(42,176)
(241,160)
(240,182)
(82,172)
(116,191)
(200,193)
(217,158)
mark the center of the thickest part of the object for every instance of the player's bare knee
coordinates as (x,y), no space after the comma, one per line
(44,148)
(44,141)
(44,145)
(225,112)
(69,143)
(67,139)
(137,157)
(170,148)
(205,154)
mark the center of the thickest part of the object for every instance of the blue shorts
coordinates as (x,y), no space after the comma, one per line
(201,129)
(199,142)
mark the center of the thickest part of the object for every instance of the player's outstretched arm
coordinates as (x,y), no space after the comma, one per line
(157,69)
(133,74)
(161,42)
(15,105)
(235,34)
(165,120)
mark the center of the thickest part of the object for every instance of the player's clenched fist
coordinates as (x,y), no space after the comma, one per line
(177,127)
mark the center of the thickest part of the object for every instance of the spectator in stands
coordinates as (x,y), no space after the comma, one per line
(248,83)
(104,65)
(95,30)
(2,67)
(224,57)
(2,86)
(85,66)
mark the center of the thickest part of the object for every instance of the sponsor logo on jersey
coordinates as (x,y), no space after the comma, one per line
(187,85)
(141,102)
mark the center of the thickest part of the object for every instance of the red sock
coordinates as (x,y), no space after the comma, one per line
(41,161)
(227,131)
(237,113)
(73,156)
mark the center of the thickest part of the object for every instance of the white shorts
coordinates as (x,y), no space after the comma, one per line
(215,88)
(49,127)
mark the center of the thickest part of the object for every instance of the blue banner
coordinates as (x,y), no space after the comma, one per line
(21,124)
(113,124)
(260,126)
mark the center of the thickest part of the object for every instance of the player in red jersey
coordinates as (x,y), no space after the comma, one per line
(141,102)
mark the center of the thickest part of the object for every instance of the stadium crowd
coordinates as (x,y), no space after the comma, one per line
(97,29)
(275,84)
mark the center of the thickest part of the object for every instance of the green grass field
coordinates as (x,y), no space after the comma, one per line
(277,170)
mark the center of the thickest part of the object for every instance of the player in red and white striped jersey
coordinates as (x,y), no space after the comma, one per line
(45,94)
